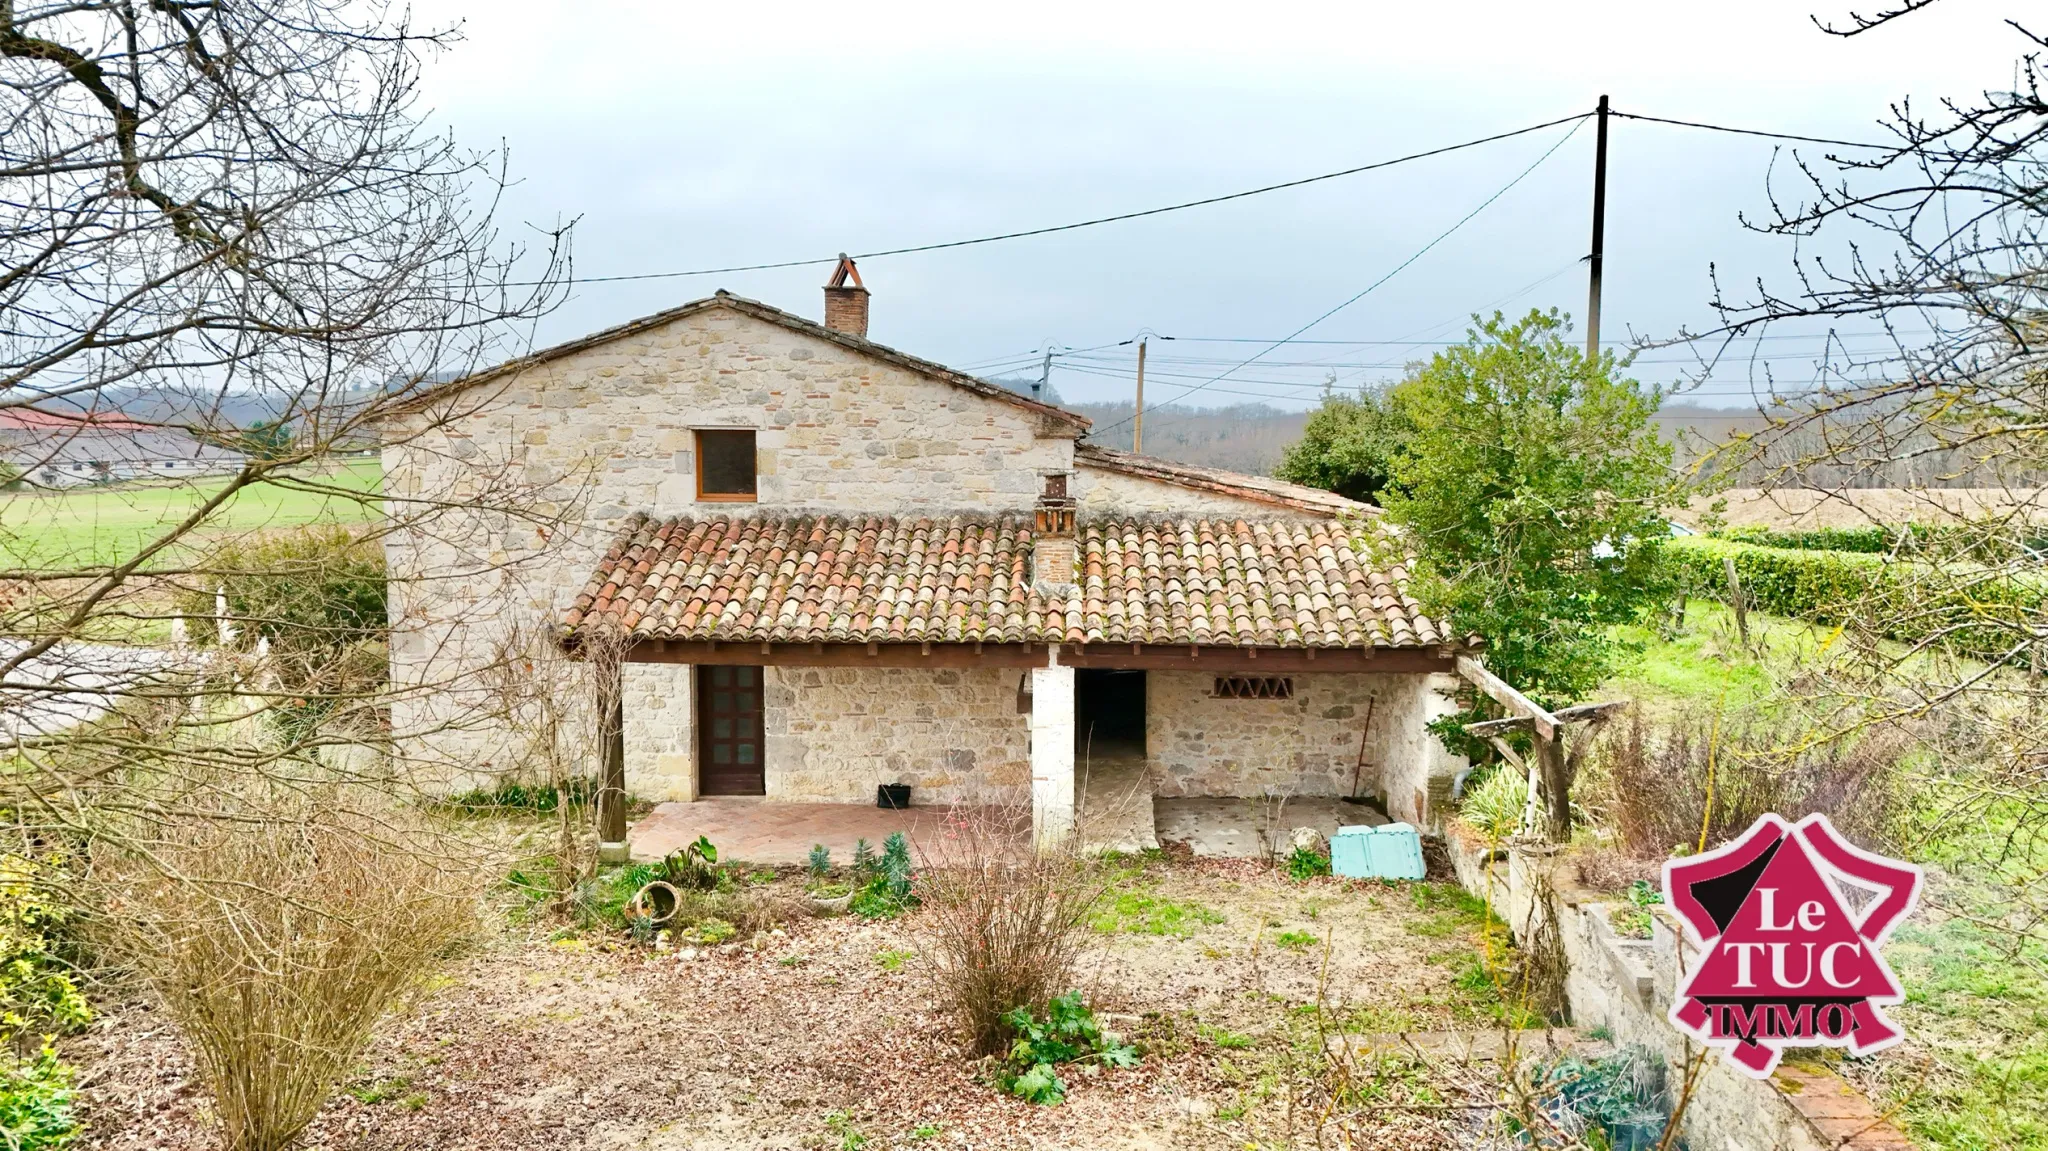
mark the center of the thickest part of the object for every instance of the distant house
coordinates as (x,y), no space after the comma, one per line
(61,450)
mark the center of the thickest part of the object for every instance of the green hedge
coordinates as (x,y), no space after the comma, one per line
(1985,543)
(1910,600)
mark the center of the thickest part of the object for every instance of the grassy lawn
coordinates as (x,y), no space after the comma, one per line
(106,524)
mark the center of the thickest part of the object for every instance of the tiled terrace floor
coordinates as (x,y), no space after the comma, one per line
(767,831)
(1115,817)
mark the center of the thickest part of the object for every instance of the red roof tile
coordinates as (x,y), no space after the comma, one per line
(953,579)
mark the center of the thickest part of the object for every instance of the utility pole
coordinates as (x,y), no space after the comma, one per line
(1138,420)
(1044,374)
(1599,236)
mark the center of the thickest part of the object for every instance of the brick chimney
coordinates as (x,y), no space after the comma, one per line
(846,305)
(1054,554)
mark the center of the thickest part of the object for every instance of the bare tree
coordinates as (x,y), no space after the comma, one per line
(1938,244)
(225,226)
(229,241)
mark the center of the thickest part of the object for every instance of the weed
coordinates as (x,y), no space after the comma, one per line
(417,1101)
(1304,863)
(1620,1096)
(841,1124)
(1067,1034)
(381,1090)
(1139,913)
(884,882)
(711,930)
(794,959)
(1295,940)
(1227,1040)
(892,960)
(924,1131)
(36,1100)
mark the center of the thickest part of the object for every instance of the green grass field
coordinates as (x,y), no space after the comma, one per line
(60,531)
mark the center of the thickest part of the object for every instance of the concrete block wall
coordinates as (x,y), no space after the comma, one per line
(1627,986)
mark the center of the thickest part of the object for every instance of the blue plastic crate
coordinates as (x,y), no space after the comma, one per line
(1351,852)
(1392,851)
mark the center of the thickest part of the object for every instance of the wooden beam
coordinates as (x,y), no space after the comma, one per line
(1488,728)
(1505,695)
(1507,752)
(1577,713)
(1581,712)
(1216,660)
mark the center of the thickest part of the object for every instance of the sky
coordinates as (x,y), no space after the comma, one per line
(685,136)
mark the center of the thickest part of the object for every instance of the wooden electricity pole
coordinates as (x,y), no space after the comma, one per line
(1138,420)
(1599,236)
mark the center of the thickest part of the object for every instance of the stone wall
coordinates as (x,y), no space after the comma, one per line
(1101,491)
(507,494)
(1304,745)
(952,734)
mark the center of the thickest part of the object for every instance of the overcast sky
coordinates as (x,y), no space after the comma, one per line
(686,136)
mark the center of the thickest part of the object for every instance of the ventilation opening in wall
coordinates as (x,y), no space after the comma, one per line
(1253,687)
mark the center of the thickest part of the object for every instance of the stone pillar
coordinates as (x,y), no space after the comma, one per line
(1052,755)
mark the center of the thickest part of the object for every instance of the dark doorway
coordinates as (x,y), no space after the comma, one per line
(1109,709)
(729,727)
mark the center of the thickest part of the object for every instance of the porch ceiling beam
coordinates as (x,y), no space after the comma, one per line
(1222,660)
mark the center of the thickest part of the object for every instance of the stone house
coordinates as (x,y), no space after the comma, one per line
(826,565)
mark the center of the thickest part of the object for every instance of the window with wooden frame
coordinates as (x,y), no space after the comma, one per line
(1253,687)
(725,466)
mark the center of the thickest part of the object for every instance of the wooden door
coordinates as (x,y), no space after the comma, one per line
(729,723)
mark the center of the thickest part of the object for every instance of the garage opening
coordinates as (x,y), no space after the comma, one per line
(1109,711)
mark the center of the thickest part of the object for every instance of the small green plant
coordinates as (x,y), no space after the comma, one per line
(1632,919)
(695,866)
(841,1124)
(820,861)
(1306,863)
(711,930)
(794,959)
(884,881)
(36,1100)
(863,856)
(1068,1033)
(1621,1096)
(924,1131)
(1295,940)
(1227,1040)
(381,1090)
(1142,913)
(1494,806)
(892,960)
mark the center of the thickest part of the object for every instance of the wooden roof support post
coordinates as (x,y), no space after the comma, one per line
(611,740)
(1549,769)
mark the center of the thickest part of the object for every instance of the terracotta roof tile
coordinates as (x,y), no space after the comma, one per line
(957,579)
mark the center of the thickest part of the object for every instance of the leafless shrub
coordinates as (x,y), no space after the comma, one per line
(1001,927)
(1659,786)
(276,935)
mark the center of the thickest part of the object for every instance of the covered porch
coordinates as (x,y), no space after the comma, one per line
(1078,673)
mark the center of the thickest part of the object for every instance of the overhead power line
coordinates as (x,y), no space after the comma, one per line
(1752,132)
(1119,217)
(1575,121)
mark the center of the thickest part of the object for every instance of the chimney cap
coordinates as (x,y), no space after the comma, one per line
(844,272)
